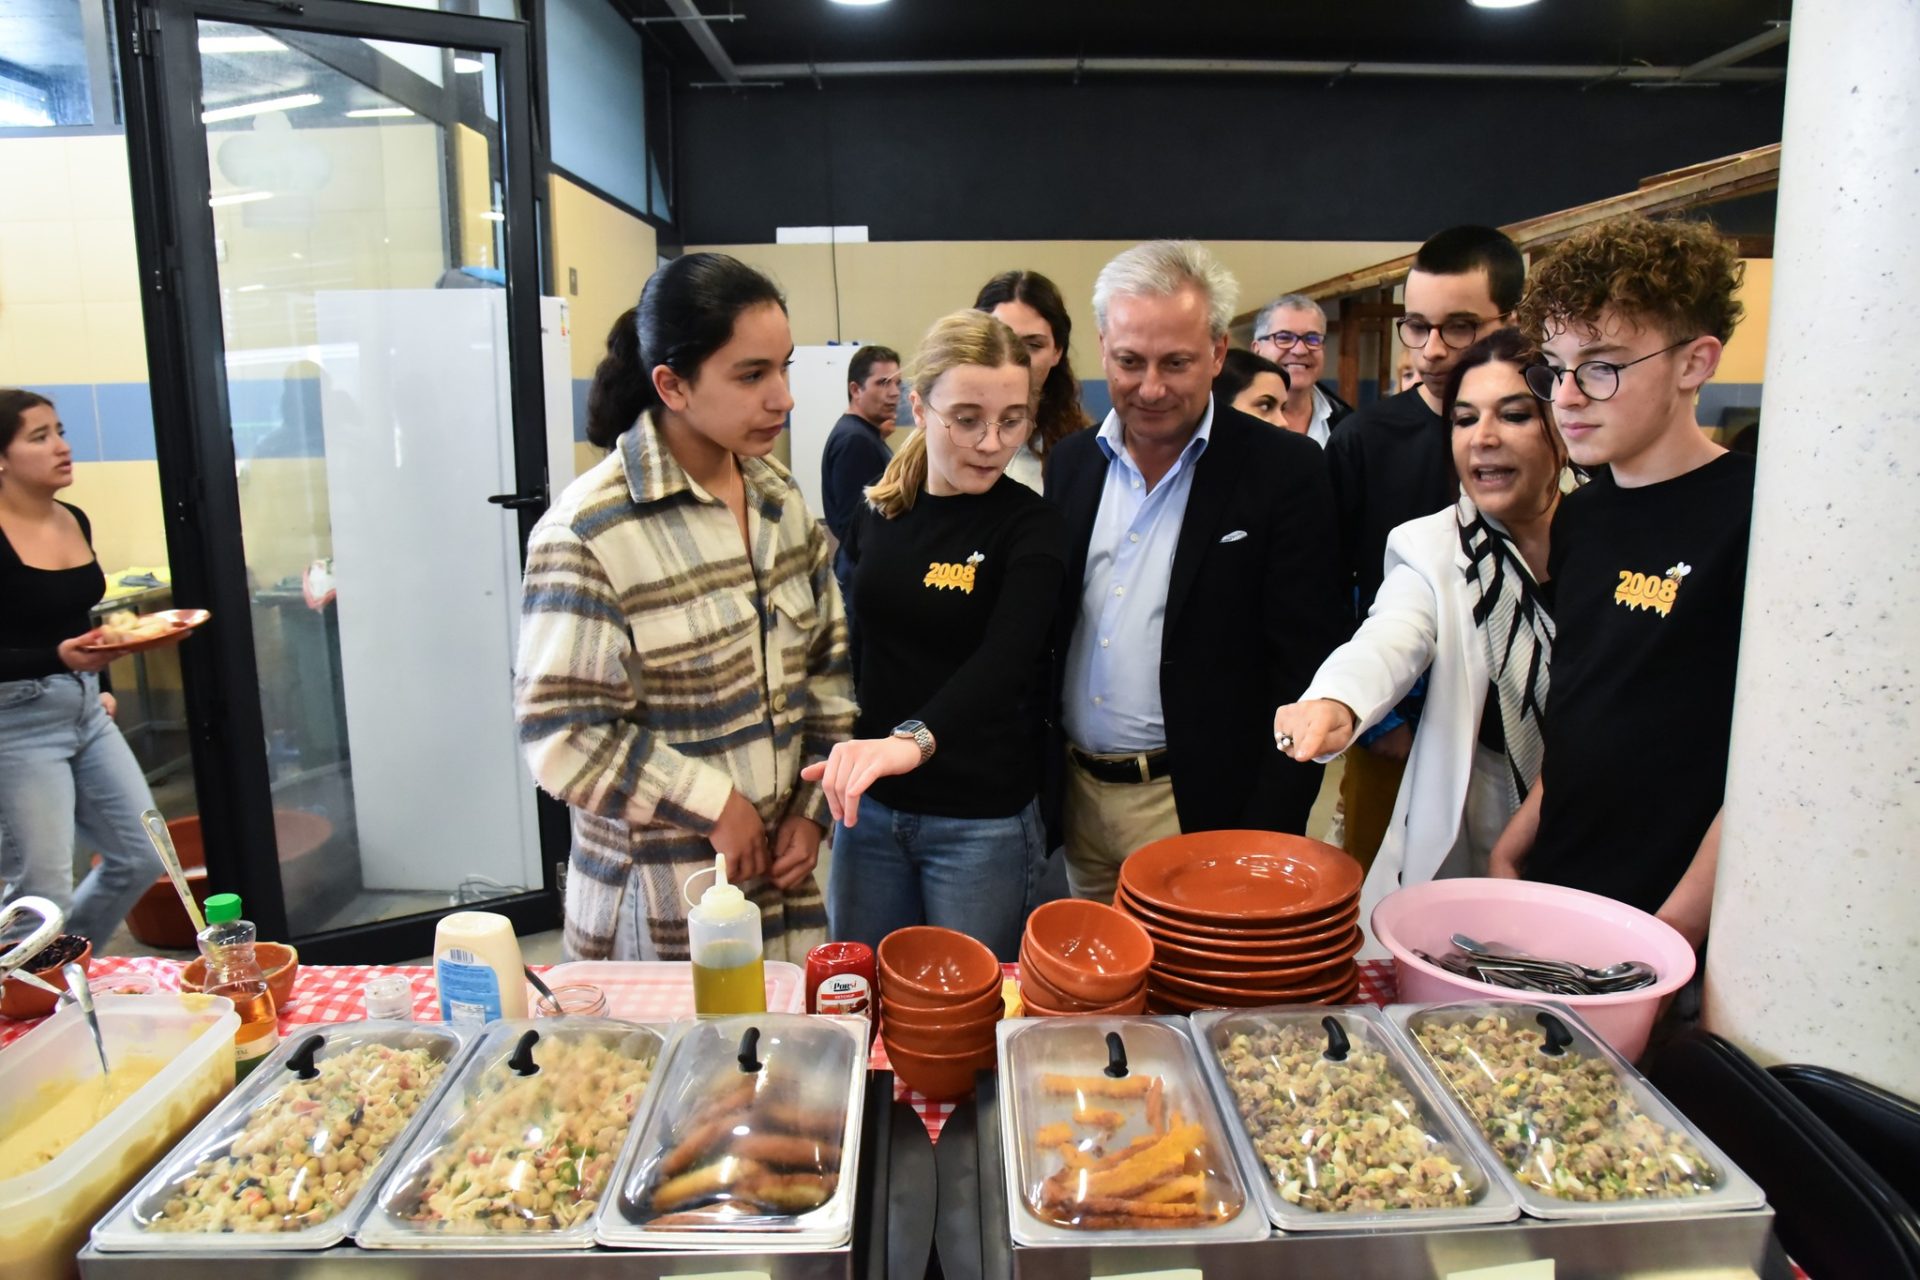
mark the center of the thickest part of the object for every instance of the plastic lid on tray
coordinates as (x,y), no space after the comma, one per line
(754,1128)
(1109,1132)
(1337,1128)
(519,1150)
(288,1160)
(1577,1132)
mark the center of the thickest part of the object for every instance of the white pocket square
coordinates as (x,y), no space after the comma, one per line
(1236,536)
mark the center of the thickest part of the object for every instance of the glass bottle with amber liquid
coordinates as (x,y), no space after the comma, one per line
(234,972)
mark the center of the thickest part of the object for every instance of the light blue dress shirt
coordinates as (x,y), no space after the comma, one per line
(1112,687)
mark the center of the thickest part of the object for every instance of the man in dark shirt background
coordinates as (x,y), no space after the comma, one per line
(856,451)
(1391,462)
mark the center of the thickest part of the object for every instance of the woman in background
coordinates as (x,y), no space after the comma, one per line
(1254,385)
(1465,594)
(956,570)
(1030,304)
(64,768)
(684,651)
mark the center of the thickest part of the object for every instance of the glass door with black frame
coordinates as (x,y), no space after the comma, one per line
(356,202)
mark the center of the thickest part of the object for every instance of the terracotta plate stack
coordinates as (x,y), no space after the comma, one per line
(1245,918)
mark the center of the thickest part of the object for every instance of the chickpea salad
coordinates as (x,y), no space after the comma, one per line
(1338,1137)
(1566,1125)
(532,1153)
(307,1149)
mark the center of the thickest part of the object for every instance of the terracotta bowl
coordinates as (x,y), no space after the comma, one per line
(280,962)
(159,920)
(967,1038)
(1088,949)
(935,964)
(1039,1008)
(18,1000)
(1034,980)
(941,1077)
(941,1015)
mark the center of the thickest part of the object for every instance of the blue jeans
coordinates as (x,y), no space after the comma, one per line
(976,875)
(65,770)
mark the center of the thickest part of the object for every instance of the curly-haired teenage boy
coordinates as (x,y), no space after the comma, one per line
(1648,565)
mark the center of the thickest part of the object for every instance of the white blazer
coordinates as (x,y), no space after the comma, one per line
(1422,617)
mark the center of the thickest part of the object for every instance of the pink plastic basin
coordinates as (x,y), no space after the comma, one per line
(1546,920)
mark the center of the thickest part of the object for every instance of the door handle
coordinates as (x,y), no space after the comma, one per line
(520,501)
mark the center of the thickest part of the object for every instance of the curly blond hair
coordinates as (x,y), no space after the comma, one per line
(1678,275)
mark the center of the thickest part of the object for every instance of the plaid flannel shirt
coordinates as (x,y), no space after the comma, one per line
(660,669)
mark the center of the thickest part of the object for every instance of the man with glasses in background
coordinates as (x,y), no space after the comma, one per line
(1292,332)
(1392,461)
(1648,564)
(1197,582)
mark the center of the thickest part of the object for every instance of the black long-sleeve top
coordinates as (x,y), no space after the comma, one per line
(44,607)
(953,601)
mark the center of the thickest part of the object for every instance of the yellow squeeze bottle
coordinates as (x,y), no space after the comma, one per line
(723,937)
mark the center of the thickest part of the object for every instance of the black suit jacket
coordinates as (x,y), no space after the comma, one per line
(1248,621)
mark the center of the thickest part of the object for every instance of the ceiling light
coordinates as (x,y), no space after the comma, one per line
(238,197)
(469,66)
(859,4)
(257,108)
(1500,4)
(240,44)
(378,113)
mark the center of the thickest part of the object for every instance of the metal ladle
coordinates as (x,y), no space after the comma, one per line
(83,996)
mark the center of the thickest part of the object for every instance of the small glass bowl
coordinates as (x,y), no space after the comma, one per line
(572,1000)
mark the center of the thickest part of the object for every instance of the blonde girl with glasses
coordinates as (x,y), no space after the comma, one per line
(957,571)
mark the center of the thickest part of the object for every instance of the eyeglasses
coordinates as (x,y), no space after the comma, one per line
(1459,332)
(969,428)
(1284,338)
(1597,379)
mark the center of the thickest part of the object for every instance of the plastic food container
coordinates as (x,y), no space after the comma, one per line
(753,1135)
(291,1159)
(1357,1141)
(1110,1137)
(46,1211)
(1572,1129)
(518,1151)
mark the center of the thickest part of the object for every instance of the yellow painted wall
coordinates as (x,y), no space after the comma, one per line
(1745,359)
(891,293)
(610,252)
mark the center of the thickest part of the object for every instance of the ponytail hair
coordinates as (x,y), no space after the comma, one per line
(686,313)
(963,338)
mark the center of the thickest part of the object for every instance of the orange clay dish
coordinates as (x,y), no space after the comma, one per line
(1126,1160)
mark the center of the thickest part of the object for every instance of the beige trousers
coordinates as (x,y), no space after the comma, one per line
(1105,822)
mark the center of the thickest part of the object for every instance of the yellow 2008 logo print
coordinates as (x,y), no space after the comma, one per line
(953,577)
(1646,591)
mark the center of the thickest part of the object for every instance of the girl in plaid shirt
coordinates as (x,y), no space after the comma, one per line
(683,651)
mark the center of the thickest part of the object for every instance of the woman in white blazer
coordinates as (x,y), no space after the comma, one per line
(1462,596)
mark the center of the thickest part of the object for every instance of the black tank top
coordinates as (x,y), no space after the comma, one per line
(40,608)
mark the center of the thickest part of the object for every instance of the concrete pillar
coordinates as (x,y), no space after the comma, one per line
(1816,922)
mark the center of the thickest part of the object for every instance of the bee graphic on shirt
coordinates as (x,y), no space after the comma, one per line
(953,577)
(1646,591)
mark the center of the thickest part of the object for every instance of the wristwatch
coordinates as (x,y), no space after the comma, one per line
(921,735)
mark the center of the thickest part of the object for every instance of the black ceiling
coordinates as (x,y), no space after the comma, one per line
(1585,32)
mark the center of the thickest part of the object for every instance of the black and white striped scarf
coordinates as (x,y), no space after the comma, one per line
(1519,637)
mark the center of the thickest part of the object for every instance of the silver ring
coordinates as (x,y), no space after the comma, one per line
(1284,742)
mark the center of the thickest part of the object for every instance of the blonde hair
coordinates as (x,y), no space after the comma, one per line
(963,338)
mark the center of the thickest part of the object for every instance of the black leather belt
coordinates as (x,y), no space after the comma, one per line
(1138,766)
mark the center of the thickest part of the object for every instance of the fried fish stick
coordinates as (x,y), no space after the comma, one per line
(1098,1118)
(1187,1187)
(1097,1086)
(1165,1156)
(707,1180)
(1156,1107)
(1053,1135)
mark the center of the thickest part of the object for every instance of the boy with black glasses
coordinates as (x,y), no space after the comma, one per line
(1392,461)
(1649,566)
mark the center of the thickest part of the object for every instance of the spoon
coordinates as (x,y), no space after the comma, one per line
(1626,975)
(77,984)
(170,858)
(545,991)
